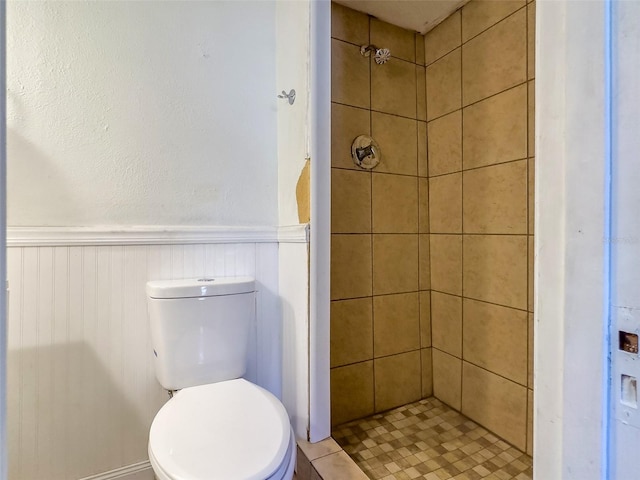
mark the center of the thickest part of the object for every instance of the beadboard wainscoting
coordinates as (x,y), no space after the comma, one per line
(81,384)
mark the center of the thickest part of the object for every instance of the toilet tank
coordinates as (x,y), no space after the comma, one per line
(200,329)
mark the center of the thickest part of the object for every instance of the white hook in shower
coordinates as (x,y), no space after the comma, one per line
(291,96)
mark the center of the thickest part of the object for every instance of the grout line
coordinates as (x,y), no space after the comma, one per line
(461,216)
(392,56)
(372,110)
(373,322)
(479,300)
(480,167)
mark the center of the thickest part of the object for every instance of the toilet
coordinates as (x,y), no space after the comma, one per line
(217,425)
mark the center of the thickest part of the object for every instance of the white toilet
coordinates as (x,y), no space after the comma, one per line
(218,426)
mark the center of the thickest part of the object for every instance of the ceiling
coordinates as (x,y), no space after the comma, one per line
(418,15)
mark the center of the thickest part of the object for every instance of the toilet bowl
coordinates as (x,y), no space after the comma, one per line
(231,430)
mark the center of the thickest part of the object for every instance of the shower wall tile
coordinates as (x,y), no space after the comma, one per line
(530,422)
(443,39)
(479,15)
(393,87)
(446,323)
(349,75)
(419,39)
(396,323)
(443,85)
(495,199)
(531,193)
(421,93)
(425,319)
(351,392)
(495,338)
(349,25)
(447,378)
(445,203)
(530,281)
(351,331)
(496,59)
(423,167)
(395,203)
(531,40)
(530,351)
(423,205)
(395,264)
(397,380)
(397,138)
(495,130)
(531,117)
(346,124)
(350,266)
(498,404)
(495,269)
(351,201)
(445,144)
(425,263)
(427,372)
(446,263)
(399,41)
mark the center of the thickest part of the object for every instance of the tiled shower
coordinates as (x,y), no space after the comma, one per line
(432,267)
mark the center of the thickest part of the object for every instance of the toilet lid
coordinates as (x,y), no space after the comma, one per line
(232,430)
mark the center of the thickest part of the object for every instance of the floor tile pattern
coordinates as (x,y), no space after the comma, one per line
(430,441)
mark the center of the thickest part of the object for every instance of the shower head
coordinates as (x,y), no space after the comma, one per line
(381,55)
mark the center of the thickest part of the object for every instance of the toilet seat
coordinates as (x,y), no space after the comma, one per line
(231,430)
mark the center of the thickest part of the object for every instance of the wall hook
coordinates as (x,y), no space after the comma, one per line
(291,96)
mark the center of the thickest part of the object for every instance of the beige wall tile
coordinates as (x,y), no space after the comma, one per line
(443,85)
(495,338)
(495,269)
(351,331)
(445,144)
(424,263)
(346,124)
(447,378)
(425,319)
(531,40)
(393,87)
(446,323)
(349,75)
(531,271)
(351,392)
(350,266)
(338,465)
(530,350)
(423,169)
(531,188)
(479,15)
(419,49)
(495,130)
(350,201)
(349,25)
(396,324)
(395,264)
(399,41)
(397,380)
(495,199)
(397,138)
(395,203)
(423,205)
(496,59)
(531,120)
(421,92)
(427,372)
(496,403)
(313,451)
(445,203)
(442,39)
(530,422)
(446,263)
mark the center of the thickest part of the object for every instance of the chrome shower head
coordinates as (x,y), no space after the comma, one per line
(381,55)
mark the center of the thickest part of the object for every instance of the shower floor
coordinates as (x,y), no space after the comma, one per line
(428,440)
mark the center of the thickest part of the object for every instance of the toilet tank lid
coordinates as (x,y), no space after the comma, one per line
(200,287)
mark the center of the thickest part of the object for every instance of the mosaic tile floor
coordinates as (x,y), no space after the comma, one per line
(428,440)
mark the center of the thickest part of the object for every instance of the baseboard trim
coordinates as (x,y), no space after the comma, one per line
(152,235)
(123,473)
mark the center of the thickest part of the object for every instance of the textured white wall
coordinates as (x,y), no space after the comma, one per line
(139,113)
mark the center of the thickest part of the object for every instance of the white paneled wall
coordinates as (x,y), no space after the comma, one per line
(81,386)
